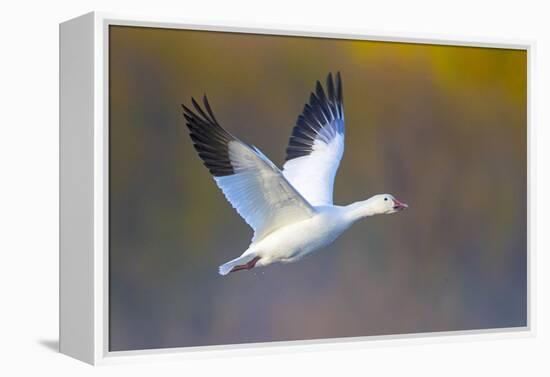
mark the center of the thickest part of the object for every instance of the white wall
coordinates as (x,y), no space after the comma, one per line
(29,189)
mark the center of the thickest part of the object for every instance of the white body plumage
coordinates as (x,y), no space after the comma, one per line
(294,241)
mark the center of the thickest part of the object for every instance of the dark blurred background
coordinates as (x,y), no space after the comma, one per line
(443,128)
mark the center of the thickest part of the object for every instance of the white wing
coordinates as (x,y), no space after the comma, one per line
(253,185)
(317,144)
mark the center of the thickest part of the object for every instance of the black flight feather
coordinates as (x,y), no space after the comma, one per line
(321,118)
(209,138)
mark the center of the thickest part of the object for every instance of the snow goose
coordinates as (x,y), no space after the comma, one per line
(291,211)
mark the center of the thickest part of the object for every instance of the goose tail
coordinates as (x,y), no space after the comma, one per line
(244,262)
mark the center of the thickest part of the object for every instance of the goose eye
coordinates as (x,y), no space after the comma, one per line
(386,199)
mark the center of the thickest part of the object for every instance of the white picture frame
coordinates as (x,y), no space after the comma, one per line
(84,191)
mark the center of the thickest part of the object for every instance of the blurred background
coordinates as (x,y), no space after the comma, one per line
(441,127)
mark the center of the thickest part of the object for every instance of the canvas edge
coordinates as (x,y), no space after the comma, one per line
(102,355)
(314,31)
(76,191)
(531,183)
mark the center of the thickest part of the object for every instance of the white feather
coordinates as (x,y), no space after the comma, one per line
(260,193)
(313,175)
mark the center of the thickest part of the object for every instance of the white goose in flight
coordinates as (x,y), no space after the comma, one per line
(290,211)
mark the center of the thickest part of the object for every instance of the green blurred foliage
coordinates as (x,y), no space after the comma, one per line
(441,127)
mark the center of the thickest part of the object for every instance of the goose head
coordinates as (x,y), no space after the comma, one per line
(385,204)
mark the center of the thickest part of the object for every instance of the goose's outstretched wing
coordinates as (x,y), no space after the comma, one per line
(253,185)
(317,144)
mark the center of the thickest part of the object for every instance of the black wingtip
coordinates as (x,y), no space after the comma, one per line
(339,88)
(208,108)
(318,87)
(209,138)
(325,109)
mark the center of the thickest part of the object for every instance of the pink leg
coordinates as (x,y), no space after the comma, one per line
(248,266)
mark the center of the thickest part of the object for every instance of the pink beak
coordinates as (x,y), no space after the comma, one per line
(399,206)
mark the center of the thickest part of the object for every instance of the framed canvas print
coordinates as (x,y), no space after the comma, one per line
(230,189)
